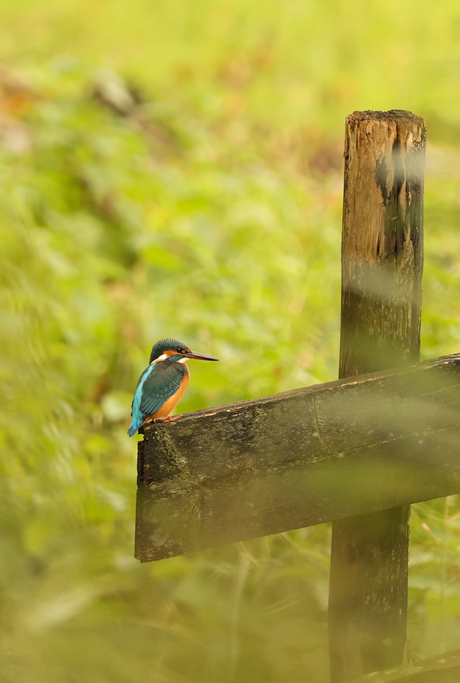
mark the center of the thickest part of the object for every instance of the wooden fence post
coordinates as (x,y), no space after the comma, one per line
(382,260)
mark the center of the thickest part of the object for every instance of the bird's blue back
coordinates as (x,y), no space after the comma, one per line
(156,385)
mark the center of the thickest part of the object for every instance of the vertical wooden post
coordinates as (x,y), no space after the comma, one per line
(382,260)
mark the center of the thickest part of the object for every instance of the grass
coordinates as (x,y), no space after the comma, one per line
(207,208)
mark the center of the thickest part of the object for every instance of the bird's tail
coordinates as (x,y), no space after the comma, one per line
(133,427)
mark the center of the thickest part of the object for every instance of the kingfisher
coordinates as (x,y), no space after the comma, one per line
(162,384)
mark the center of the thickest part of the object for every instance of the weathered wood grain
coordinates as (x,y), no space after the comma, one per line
(382,257)
(296,459)
(382,241)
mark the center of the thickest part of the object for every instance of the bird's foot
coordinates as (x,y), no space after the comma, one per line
(157,421)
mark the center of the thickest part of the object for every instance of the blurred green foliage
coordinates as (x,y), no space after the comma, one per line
(175,170)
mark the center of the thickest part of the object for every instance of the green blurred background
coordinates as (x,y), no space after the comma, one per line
(172,168)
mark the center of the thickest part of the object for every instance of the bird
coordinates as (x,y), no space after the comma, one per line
(163,382)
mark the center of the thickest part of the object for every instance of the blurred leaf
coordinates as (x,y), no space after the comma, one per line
(194,190)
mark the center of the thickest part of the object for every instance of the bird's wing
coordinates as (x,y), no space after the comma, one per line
(136,406)
(158,386)
(157,383)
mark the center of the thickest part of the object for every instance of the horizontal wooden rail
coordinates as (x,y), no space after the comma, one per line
(299,458)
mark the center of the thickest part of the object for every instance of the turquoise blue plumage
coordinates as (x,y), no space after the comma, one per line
(157,383)
(162,383)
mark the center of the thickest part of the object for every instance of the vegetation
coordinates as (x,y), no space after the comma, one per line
(175,170)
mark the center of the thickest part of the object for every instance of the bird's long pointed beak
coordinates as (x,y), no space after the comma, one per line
(198,356)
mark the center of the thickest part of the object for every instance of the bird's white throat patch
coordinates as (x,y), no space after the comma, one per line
(163,356)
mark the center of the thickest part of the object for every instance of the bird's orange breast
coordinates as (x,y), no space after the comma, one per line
(169,405)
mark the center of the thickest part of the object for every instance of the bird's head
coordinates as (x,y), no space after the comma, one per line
(176,350)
